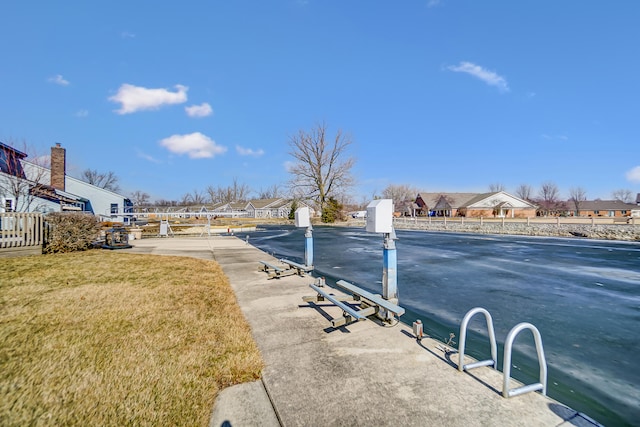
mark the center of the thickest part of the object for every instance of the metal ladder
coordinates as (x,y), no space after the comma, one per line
(506,364)
(463,339)
(541,385)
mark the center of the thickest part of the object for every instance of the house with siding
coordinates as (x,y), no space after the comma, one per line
(495,204)
(604,208)
(52,190)
(269,208)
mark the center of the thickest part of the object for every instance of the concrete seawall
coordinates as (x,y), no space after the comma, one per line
(626,232)
(356,375)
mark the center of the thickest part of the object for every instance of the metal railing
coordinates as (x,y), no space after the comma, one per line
(541,385)
(463,339)
(506,364)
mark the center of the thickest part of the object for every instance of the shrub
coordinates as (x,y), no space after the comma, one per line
(71,231)
(292,212)
(332,211)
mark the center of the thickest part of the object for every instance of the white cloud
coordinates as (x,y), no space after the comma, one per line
(489,77)
(136,98)
(147,157)
(195,145)
(202,110)
(82,113)
(127,35)
(555,137)
(249,152)
(433,3)
(59,80)
(633,175)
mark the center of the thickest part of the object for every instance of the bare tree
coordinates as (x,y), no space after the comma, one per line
(577,195)
(524,191)
(214,194)
(322,168)
(165,203)
(364,200)
(139,198)
(22,181)
(185,199)
(198,197)
(272,192)
(236,192)
(548,197)
(106,180)
(400,193)
(496,187)
(625,196)
(194,198)
(240,191)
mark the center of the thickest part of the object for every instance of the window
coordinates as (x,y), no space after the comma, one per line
(8,205)
(114,208)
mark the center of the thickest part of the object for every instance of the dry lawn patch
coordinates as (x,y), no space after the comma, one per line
(109,338)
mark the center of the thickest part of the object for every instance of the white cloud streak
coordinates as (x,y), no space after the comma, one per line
(555,137)
(249,152)
(148,157)
(489,77)
(195,145)
(202,110)
(136,98)
(59,80)
(82,113)
(633,175)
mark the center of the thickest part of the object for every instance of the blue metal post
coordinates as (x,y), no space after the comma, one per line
(390,268)
(308,247)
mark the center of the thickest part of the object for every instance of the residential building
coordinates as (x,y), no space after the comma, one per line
(28,187)
(269,208)
(496,204)
(603,208)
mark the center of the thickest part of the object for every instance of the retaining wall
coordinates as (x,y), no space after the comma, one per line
(585,229)
(598,231)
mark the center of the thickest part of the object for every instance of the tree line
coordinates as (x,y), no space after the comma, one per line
(321,173)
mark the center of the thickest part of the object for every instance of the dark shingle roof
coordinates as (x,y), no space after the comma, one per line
(603,205)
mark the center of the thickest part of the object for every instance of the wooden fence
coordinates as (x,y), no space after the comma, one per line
(21,233)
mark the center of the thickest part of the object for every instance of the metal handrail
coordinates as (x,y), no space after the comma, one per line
(463,338)
(506,366)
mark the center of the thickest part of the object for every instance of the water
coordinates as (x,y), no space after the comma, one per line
(582,295)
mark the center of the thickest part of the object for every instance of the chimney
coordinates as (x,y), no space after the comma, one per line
(58,166)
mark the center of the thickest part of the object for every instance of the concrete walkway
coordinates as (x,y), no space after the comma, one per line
(358,375)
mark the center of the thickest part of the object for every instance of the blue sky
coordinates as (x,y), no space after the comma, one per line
(441,95)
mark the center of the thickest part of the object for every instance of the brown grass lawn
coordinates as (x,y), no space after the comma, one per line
(108,338)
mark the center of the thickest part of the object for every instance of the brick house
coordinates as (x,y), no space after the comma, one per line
(604,208)
(496,204)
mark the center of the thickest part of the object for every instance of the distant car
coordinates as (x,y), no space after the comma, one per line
(359,214)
